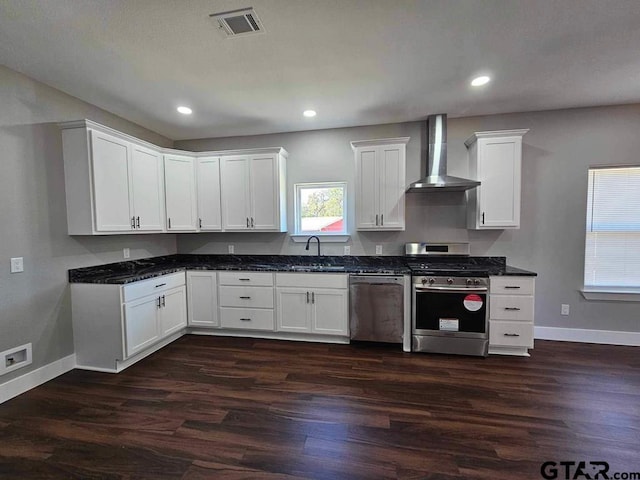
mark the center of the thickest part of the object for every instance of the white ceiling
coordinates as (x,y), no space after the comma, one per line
(357,62)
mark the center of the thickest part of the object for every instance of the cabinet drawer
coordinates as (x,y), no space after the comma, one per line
(511,334)
(261,279)
(512,285)
(312,280)
(247,318)
(511,307)
(143,288)
(251,297)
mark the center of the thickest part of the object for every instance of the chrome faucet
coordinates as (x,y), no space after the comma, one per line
(309,240)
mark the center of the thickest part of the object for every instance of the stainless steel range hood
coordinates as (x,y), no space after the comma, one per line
(437,179)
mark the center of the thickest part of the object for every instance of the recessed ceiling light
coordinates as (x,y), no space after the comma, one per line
(479,81)
(309,113)
(185,110)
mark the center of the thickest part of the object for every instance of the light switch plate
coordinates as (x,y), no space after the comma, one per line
(347,250)
(17,265)
(232,249)
(564,309)
(126,253)
(378,249)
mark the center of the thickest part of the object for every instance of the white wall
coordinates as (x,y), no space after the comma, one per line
(35,305)
(556,154)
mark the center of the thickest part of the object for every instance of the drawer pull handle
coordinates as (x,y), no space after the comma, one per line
(511,334)
(164,303)
(245,298)
(161,285)
(515,309)
(245,319)
(244,279)
(511,287)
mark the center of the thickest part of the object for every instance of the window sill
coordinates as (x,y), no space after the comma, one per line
(324,238)
(612,294)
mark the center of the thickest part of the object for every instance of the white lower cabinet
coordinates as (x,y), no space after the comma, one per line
(113,324)
(202,306)
(511,315)
(246,300)
(315,303)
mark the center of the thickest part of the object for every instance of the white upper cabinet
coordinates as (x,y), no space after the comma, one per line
(253,191)
(495,160)
(180,193)
(208,183)
(113,184)
(380,183)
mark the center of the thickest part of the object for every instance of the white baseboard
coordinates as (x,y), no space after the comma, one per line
(30,380)
(608,337)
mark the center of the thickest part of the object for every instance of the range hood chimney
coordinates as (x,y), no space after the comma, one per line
(436,179)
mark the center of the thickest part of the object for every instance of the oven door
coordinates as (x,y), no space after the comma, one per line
(449,311)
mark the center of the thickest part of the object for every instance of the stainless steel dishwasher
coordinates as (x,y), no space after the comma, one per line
(376,311)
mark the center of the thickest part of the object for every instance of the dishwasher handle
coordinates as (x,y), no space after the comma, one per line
(376,279)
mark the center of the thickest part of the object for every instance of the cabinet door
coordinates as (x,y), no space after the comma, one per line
(203,299)
(391,187)
(146,189)
(173,311)
(180,192)
(234,179)
(209,209)
(141,324)
(111,178)
(263,185)
(329,314)
(367,215)
(293,313)
(499,192)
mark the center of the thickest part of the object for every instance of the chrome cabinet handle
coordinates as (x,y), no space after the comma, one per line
(514,309)
(511,334)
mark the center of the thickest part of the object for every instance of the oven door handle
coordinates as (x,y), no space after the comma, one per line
(451,289)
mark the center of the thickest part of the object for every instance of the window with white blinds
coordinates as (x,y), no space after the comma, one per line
(612,253)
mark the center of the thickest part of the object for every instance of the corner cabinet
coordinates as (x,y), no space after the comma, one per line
(180,193)
(380,183)
(254,191)
(113,184)
(116,325)
(495,160)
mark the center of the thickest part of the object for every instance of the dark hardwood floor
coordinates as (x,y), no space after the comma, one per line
(216,407)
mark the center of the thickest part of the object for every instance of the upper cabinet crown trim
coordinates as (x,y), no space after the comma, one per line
(380,142)
(85,123)
(495,134)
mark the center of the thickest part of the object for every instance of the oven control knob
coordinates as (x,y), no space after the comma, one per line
(476,282)
(432,281)
(450,281)
(469,281)
(424,281)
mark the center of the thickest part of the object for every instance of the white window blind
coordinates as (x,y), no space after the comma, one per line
(612,253)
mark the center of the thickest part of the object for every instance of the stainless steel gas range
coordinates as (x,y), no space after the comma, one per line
(449,311)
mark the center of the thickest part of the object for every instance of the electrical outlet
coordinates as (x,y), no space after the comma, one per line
(126,253)
(564,310)
(378,249)
(347,250)
(17,265)
(231,248)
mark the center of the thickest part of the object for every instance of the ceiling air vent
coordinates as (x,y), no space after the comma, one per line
(238,22)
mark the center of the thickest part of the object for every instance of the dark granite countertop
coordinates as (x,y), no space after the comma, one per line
(136,270)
